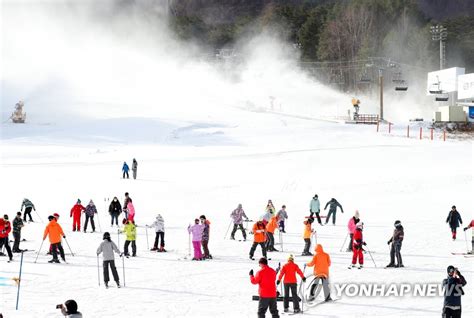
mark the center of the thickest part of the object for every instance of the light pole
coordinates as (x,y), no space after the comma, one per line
(381,92)
(440,33)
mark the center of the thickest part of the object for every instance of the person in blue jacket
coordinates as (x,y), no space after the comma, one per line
(453,291)
(125,170)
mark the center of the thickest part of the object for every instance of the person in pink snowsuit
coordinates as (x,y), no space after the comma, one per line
(196,231)
(131,211)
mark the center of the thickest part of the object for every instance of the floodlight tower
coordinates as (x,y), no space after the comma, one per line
(440,33)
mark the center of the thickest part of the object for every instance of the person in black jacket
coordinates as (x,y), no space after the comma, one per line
(452,293)
(17,225)
(333,204)
(115,209)
(396,241)
(454,219)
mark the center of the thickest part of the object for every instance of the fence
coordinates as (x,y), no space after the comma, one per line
(412,131)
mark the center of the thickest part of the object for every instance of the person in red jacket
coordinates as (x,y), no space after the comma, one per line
(357,251)
(289,270)
(472,239)
(265,279)
(76,212)
(5,229)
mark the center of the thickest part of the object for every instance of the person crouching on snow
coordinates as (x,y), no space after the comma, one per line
(196,231)
(107,247)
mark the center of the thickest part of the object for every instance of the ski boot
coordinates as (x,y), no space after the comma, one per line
(154,249)
(399,265)
(118,284)
(297,311)
(251,257)
(351,266)
(232,238)
(286,310)
(390,265)
(162,249)
(361,266)
(106,284)
(54,261)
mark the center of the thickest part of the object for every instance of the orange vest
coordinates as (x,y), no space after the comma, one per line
(321,262)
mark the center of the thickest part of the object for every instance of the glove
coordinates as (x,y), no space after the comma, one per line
(304,279)
(388,242)
(121,254)
(278,282)
(364,244)
(251,272)
(64,236)
(465,229)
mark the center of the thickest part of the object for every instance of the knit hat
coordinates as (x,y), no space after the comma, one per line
(263,261)
(106,235)
(56,215)
(450,269)
(91,202)
(71,306)
(291,258)
(5,217)
(50,218)
(18,213)
(78,201)
(356,214)
(397,223)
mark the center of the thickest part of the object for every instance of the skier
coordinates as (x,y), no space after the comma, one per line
(321,262)
(115,209)
(265,279)
(69,309)
(237,216)
(90,211)
(396,241)
(125,204)
(289,270)
(259,238)
(196,231)
(125,170)
(314,208)
(357,246)
(271,227)
(50,252)
(472,239)
(17,225)
(351,227)
(159,225)
(55,232)
(205,236)
(108,248)
(5,228)
(130,231)
(308,231)
(134,168)
(453,285)
(76,212)
(28,206)
(131,211)
(454,218)
(282,215)
(333,204)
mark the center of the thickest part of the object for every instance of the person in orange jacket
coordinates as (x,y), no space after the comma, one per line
(76,212)
(321,262)
(55,233)
(265,279)
(259,238)
(308,231)
(271,227)
(289,270)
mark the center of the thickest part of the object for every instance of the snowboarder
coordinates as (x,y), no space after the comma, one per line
(130,231)
(76,212)
(271,227)
(472,239)
(196,231)
(396,241)
(314,208)
(351,227)
(205,236)
(115,209)
(282,215)
(333,204)
(17,225)
(134,168)
(69,309)
(308,231)
(108,248)
(289,270)
(265,279)
(259,238)
(5,229)
(55,232)
(90,211)
(159,225)
(453,291)
(28,206)
(125,204)
(125,170)
(237,215)
(454,218)
(357,250)
(321,262)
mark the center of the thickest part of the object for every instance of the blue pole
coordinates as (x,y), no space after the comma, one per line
(19,282)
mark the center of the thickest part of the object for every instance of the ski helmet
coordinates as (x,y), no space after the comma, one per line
(50,218)
(106,236)
(450,269)
(397,223)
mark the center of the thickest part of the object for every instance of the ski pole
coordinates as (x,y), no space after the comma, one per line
(467,246)
(37,254)
(302,291)
(344,244)
(69,246)
(371,257)
(189,244)
(98,269)
(39,217)
(19,282)
(123,269)
(146,232)
(227,229)
(118,237)
(98,221)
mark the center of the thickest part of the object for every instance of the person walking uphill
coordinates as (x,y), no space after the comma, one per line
(17,226)
(5,229)
(125,170)
(55,233)
(237,217)
(76,212)
(453,291)
(314,208)
(265,279)
(259,238)
(289,270)
(205,236)
(107,247)
(321,262)
(333,204)
(28,206)
(396,241)
(454,219)
(134,168)
(114,209)
(196,231)
(90,211)
(130,231)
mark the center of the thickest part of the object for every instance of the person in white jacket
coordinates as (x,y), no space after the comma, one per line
(159,225)
(108,247)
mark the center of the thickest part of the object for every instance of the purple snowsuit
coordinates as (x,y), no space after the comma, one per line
(196,230)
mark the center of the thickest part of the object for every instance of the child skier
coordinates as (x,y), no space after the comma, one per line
(108,248)
(472,239)
(321,262)
(130,231)
(289,270)
(5,229)
(271,227)
(396,241)
(357,246)
(333,204)
(159,225)
(28,206)
(282,215)
(454,218)
(90,211)
(196,231)
(17,225)
(308,231)
(259,238)
(351,227)
(76,212)
(237,217)
(205,236)
(55,232)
